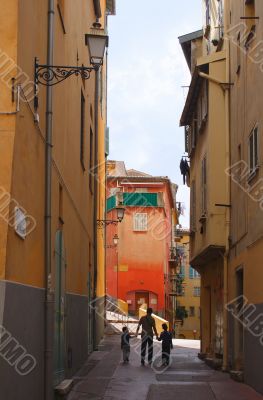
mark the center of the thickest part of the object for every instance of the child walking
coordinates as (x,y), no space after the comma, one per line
(167,344)
(125,344)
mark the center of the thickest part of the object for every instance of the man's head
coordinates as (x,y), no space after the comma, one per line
(149,311)
(165,327)
(124,329)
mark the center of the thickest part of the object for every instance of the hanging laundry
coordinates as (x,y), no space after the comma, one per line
(185,170)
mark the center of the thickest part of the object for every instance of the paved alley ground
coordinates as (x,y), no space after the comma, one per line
(105,377)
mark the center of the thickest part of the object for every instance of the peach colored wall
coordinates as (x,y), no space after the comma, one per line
(142,257)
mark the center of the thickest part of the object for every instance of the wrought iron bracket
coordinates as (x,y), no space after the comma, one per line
(104,222)
(50,75)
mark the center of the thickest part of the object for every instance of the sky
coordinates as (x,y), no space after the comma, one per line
(147,70)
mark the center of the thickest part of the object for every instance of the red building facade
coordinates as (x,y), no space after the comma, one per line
(138,267)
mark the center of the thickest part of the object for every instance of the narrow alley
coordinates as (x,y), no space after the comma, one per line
(105,377)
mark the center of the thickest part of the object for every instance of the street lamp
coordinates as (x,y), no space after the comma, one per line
(96,44)
(50,75)
(116,239)
(115,242)
(120,215)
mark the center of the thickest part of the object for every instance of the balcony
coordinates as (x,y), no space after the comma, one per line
(174,258)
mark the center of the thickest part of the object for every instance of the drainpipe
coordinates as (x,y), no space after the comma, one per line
(228,200)
(49,294)
(96,149)
(105,194)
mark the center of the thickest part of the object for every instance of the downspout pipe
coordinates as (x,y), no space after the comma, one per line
(95,204)
(49,294)
(228,200)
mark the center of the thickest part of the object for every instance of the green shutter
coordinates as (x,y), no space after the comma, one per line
(140,199)
(111,203)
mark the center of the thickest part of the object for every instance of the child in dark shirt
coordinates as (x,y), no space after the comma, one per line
(125,344)
(167,344)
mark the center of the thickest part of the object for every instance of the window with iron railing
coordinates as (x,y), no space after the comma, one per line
(140,222)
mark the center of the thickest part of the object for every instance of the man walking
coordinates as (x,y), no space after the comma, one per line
(148,328)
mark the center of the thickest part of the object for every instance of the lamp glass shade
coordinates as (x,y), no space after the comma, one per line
(120,213)
(96,45)
(115,240)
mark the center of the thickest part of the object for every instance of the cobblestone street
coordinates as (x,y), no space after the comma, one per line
(105,377)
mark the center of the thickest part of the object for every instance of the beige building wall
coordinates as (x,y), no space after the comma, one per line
(207,136)
(245,270)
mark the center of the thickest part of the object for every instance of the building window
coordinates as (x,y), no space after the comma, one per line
(191,311)
(221,18)
(203,106)
(197,291)
(60,205)
(193,207)
(182,271)
(61,12)
(250,14)
(207,12)
(253,150)
(91,160)
(82,129)
(140,222)
(238,53)
(204,187)
(193,274)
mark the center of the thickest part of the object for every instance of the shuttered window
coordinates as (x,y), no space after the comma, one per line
(82,130)
(140,199)
(111,203)
(253,150)
(193,207)
(204,187)
(140,222)
(61,12)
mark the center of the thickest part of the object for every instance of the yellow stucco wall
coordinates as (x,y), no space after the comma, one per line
(8,58)
(211,143)
(192,323)
(22,167)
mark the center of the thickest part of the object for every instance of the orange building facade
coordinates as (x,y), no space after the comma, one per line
(138,268)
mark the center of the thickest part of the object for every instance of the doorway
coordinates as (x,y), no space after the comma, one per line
(140,299)
(59,339)
(239,328)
